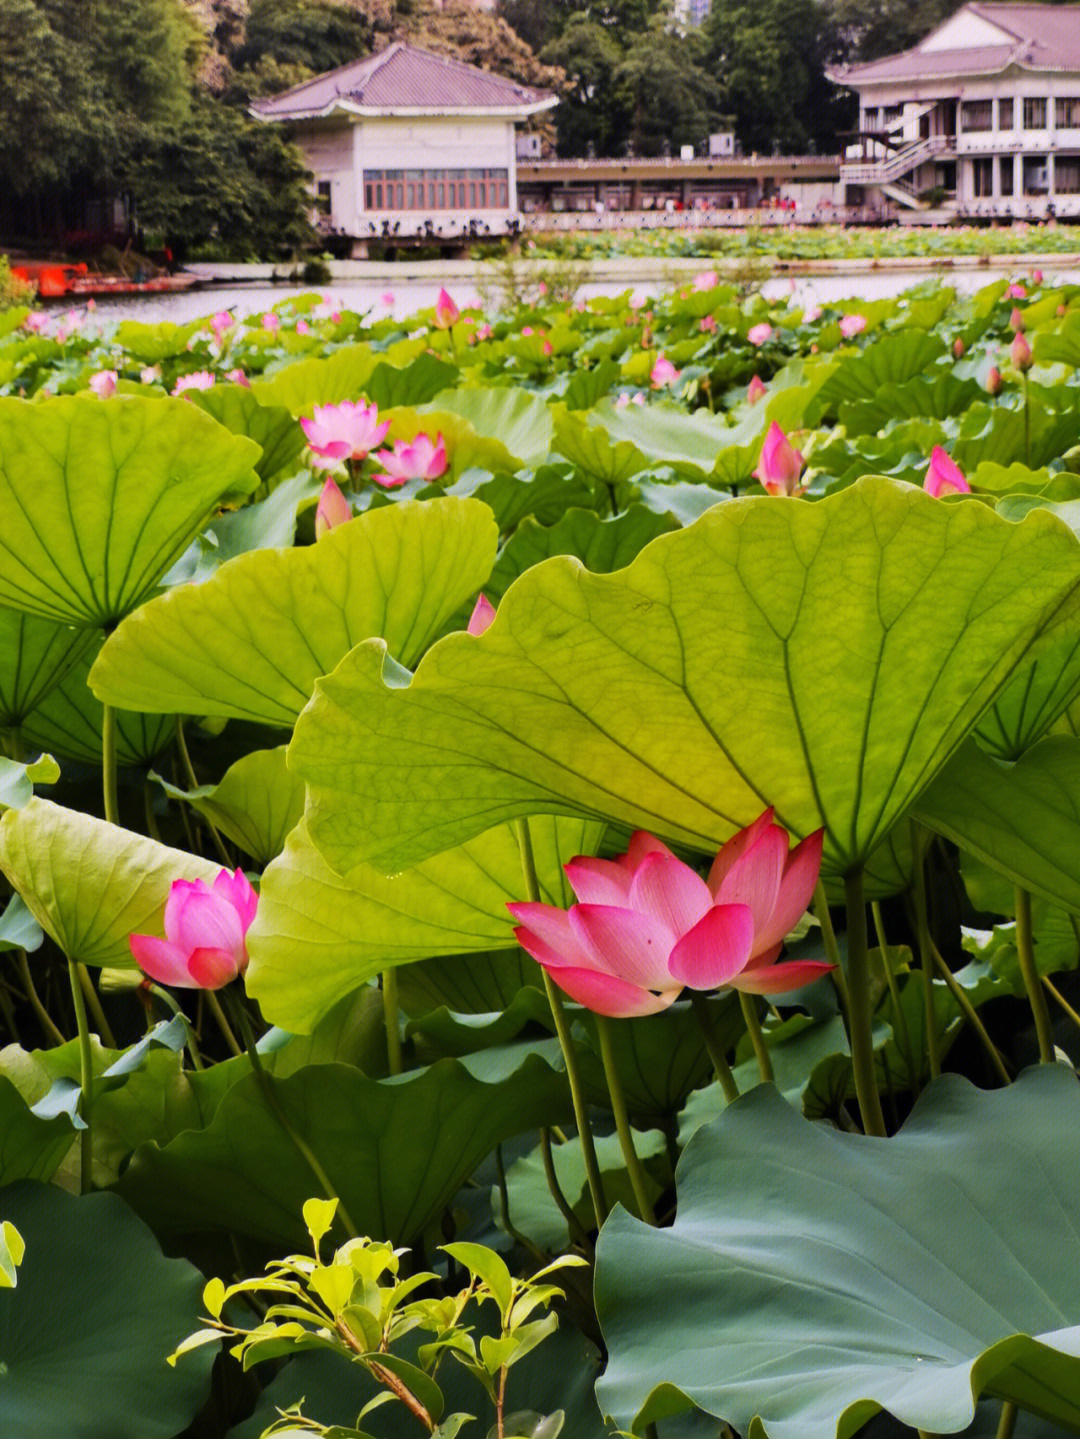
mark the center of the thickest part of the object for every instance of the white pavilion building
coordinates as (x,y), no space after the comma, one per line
(407,144)
(981,118)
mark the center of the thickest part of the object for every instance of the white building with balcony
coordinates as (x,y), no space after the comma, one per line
(981,118)
(408,144)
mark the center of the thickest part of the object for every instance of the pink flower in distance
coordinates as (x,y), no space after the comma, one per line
(756,390)
(446,312)
(271,322)
(1037,277)
(221,324)
(708,324)
(646,925)
(333,509)
(36,321)
(199,380)
(663,372)
(483,332)
(419,459)
(780,464)
(205,933)
(993,380)
(303,328)
(1020,352)
(348,431)
(944,476)
(1016,319)
(758,334)
(1016,291)
(851,325)
(482,616)
(811,314)
(103,384)
(707,280)
(387,298)
(958,348)
(150,374)
(237,377)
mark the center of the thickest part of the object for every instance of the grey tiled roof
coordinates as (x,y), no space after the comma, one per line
(1042,37)
(402,77)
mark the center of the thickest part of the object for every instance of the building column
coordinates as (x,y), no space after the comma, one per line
(1018,178)
(511,166)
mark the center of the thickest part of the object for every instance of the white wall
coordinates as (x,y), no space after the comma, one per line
(328,154)
(965,32)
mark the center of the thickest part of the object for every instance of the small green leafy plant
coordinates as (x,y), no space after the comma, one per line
(356,1305)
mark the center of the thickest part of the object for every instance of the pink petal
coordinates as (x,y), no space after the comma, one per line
(180,892)
(237,889)
(544,932)
(208,921)
(624,942)
(780,978)
(670,892)
(165,962)
(716,950)
(754,878)
(482,616)
(212,968)
(642,844)
(599,881)
(796,890)
(605,994)
(737,845)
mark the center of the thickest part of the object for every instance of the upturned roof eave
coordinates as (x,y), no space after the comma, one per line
(341,105)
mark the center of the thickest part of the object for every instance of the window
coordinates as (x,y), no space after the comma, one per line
(977,115)
(982,178)
(1005,113)
(322,197)
(1067,174)
(890,114)
(1036,175)
(1006,174)
(870,119)
(1034,117)
(1067,114)
(435,189)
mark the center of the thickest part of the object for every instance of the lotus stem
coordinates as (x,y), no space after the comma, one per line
(566,1043)
(1025,948)
(563,1205)
(1007,1422)
(700,1005)
(1060,1000)
(832,950)
(862,1017)
(894,994)
(392,1019)
(108,764)
(638,1178)
(91,994)
(170,1003)
(757,1037)
(971,1014)
(193,780)
(266,1084)
(1027,425)
(86,1082)
(151,819)
(926,959)
(213,1004)
(44,1018)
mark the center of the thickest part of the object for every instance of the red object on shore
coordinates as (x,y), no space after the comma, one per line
(55,281)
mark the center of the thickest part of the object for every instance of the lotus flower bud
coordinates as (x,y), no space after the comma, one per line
(1020,353)
(944,476)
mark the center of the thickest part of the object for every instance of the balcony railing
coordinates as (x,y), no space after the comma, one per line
(893,167)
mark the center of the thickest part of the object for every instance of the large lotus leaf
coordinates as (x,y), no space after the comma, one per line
(269,524)
(671,436)
(601,545)
(99,499)
(725,670)
(317,936)
(272,427)
(465,448)
(251,642)
(1032,701)
(68,721)
(416,383)
(35,655)
(889,361)
(546,493)
(1022,819)
(591,450)
(85,1335)
(480,983)
(936,395)
(992,432)
(396,1150)
(150,344)
(90,884)
(519,419)
(857,1274)
(304,384)
(32,1146)
(258,801)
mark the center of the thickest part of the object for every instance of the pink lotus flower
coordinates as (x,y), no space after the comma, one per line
(1016,291)
(811,315)
(348,431)
(646,925)
(707,280)
(333,509)
(1037,277)
(944,476)
(150,374)
(526,330)
(708,324)
(387,298)
(36,321)
(482,616)
(663,373)
(780,464)
(759,334)
(1020,353)
(756,390)
(541,289)
(1016,319)
(205,930)
(237,377)
(199,380)
(958,348)
(303,328)
(483,332)
(547,347)
(271,322)
(446,312)
(993,380)
(221,324)
(852,325)
(419,459)
(103,384)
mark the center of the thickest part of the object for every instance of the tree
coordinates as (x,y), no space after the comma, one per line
(666,89)
(312,33)
(589,113)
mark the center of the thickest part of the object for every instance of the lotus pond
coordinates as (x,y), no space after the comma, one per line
(540,867)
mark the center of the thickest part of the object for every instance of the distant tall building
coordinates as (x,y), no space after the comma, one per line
(692,12)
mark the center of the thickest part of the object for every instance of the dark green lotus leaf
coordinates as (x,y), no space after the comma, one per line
(416,383)
(84,1341)
(589,449)
(269,524)
(32,1146)
(479,983)
(251,642)
(844,1292)
(992,432)
(601,545)
(684,694)
(35,655)
(545,494)
(1021,819)
(272,427)
(99,499)
(891,360)
(935,395)
(396,1150)
(1032,702)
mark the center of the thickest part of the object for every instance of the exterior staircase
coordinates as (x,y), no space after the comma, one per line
(888,173)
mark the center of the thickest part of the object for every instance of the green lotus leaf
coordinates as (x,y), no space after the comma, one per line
(35,655)
(258,801)
(845,1293)
(590,449)
(692,442)
(545,494)
(269,524)
(1032,701)
(32,1146)
(317,936)
(18,927)
(90,884)
(601,545)
(891,360)
(251,642)
(723,671)
(465,449)
(396,1150)
(17,780)
(936,396)
(481,983)
(150,344)
(992,432)
(416,383)
(520,420)
(302,384)
(68,721)
(100,499)
(272,427)
(83,1340)
(1021,819)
